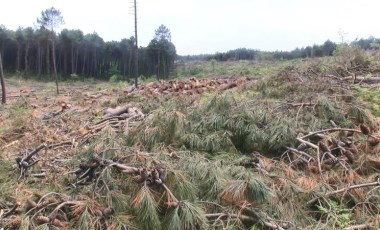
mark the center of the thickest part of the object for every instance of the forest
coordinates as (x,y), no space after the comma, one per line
(28,52)
(243,139)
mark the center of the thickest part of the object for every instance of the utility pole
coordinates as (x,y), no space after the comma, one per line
(136,61)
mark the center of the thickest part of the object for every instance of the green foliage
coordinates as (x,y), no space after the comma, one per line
(85,221)
(18,109)
(186,216)
(43,227)
(227,123)
(228,68)
(25,223)
(147,209)
(349,57)
(6,179)
(329,110)
(335,214)
(371,96)
(115,78)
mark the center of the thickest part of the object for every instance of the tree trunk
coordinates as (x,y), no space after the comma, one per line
(54,64)
(76,60)
(3,97)
(39,60)
(65,64)
(136,63)
(47,59)
(130,63)
(158,64)
(94,69)
(84,62)
(26,59)
(18,58)
(72,58)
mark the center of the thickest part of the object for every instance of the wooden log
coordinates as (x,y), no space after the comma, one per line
(227,86)
(116,111)
(368,80)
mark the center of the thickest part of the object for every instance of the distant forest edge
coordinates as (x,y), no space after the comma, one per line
(28,52)
(326,49)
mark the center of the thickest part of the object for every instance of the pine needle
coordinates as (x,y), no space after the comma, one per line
(235,192)
(192,216)
(146,209)
(85,221)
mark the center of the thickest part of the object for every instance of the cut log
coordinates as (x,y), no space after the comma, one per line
(368,80)
(227,86)
(116,111)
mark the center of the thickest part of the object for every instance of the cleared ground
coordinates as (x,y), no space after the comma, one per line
(297,150)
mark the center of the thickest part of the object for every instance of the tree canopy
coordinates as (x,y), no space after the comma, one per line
(27,51)
(162,52)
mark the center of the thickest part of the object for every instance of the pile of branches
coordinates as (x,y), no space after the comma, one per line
(192,86)
(209,166)
(118,118)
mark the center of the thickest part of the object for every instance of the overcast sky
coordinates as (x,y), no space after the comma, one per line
(208,26)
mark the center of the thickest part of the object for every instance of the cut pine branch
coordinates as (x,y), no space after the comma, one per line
(376,183)
(334,130)
(245,218)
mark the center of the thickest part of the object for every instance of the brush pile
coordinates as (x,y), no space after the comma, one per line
(288,152)
(192,86)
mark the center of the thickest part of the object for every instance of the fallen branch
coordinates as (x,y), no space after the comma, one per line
(318,153)
(376,183)
(361,79)
(34,152)
(245,218)
(299,152)
(54,213)
(59,144)
(330,130)
(12,210)
(25,162)
(50,115)
(359,226)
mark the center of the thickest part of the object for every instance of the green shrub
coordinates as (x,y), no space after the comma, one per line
(115,78)
(349,59)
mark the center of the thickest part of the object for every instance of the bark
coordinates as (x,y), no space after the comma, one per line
(39,60)
(130,64)
(18,59)
(47,59)
(72,59)
(54,65)
(116,111)
(65,64)
(136,63)
(76,61)
(3,92)
(360,79)
(26,58)
(84,61)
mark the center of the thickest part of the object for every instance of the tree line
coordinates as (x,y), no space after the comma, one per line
(29,52)
(326,49)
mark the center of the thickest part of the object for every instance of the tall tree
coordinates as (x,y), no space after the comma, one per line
(3,97)
(136,60)
(19,38)
(51,19)
(162,52)
(28,35)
